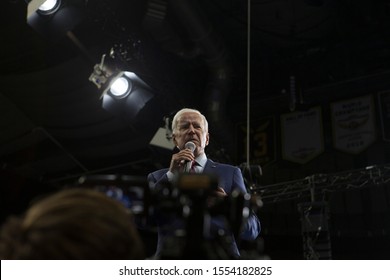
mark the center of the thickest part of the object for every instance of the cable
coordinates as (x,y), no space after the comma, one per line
(248,83)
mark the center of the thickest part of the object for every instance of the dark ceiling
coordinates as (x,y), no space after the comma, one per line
(192,53)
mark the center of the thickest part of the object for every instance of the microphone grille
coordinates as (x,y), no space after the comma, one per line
(190,145)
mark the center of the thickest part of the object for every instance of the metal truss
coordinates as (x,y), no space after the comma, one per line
(318,185)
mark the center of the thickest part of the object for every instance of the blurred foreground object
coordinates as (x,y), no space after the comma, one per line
(72,224)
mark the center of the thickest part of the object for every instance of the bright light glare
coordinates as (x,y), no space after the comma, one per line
(131,75)
(120,87)
(48,5)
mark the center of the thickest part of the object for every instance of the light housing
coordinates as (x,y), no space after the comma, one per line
(119,85)
(49,7)
(124,94)
(53,18)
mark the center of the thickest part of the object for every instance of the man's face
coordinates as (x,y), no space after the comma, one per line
(191,128)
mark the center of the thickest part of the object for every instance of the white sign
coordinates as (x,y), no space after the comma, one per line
(302,135)
(353,124)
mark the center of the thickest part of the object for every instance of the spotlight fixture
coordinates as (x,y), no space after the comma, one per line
(53,18)
(121,86)
(123,92)
(49,7)
(112,80)
(109,79)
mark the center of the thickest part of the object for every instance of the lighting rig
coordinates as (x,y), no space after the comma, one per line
(123,92)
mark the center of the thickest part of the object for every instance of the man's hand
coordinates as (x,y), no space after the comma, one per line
(179,160)
(220,192)
(216,196)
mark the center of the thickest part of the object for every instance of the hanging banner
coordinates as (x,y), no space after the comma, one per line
(353,123)
(384,107)
(262,139)
(302,135)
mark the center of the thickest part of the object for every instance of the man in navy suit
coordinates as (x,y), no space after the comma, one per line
(189,125)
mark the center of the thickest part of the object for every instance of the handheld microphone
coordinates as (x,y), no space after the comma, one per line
(189,145)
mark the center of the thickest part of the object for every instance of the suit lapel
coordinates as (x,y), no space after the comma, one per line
(210,165)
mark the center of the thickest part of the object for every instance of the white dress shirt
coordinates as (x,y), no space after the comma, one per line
(199,167)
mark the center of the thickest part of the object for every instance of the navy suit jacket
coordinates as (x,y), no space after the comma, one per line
(230,179)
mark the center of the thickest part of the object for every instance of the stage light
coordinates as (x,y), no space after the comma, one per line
(53,18)
(124,94)
(49,7)
(133,99)
(111,80)
(120,85)
(162,140)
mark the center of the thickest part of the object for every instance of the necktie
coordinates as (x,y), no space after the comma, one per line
(192,169)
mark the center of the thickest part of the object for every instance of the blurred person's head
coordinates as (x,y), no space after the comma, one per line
(72,224)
